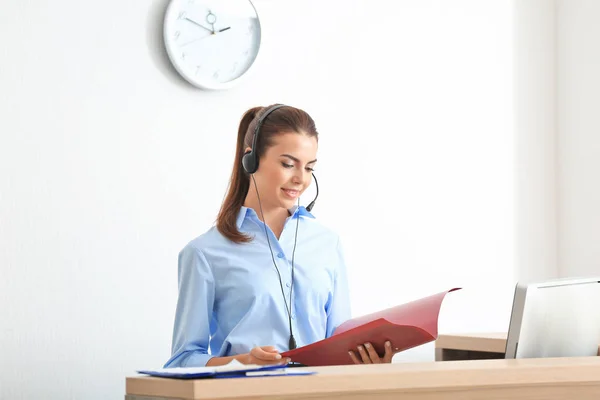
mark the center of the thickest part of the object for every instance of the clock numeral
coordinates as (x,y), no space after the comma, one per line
(234,67)
(197,69)
(190,1)
(181,15)
(216,75)
(246,52)
(176,35)
(183,56)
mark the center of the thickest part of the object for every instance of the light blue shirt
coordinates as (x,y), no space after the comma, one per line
(230,298)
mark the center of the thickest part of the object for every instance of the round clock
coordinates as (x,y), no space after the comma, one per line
(212,43)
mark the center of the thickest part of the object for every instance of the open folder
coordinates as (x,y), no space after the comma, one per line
(405,326)
(233,369)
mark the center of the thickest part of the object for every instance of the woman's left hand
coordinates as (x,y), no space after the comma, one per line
(368,355)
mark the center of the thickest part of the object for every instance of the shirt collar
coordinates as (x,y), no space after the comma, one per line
(295,212)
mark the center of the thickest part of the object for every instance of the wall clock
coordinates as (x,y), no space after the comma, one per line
(212,43)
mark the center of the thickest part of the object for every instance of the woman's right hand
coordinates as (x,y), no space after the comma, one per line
(265,355)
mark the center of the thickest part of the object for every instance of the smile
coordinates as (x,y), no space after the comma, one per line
(292,194)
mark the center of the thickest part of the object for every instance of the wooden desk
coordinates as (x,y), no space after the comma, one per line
(553,379)
(475,346)
(472,346)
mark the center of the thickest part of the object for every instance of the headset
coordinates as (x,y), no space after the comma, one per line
(250,164)
(250,158)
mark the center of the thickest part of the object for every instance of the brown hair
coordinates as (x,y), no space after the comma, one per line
(285,119)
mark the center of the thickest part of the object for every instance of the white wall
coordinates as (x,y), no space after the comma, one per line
(558,147)
(535,133)
(110,163)
(557,49)
(437,99)
(578,63)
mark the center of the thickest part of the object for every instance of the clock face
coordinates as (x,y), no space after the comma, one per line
(212,43)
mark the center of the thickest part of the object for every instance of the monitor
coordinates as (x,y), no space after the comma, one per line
(555,318)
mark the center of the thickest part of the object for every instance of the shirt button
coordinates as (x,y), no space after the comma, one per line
(280,255)
(293,316)
(287,284)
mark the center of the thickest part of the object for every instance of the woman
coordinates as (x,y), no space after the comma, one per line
(268,277)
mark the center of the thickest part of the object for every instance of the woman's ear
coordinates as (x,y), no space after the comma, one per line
(248,149)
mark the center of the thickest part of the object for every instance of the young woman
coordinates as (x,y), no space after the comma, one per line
(268,277)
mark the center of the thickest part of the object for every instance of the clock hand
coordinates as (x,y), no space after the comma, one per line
(211,19)
(204,37)
(200,25)
(195,40)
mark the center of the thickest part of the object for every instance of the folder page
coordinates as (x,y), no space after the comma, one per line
(405,326)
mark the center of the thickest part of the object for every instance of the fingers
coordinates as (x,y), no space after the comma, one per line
(373,356)
(363,355)
(387,357)
(268,355)
(269,349)
(355,359)
(258,361)
(368,355)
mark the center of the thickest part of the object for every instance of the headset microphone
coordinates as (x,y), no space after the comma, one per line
(312,203)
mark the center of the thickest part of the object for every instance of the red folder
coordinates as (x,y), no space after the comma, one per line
(405,326)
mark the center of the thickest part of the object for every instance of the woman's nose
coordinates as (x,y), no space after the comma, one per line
(300,177)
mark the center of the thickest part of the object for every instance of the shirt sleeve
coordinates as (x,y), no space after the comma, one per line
(191,331)
(339,311)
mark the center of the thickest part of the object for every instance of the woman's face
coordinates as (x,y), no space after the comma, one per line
(284,171)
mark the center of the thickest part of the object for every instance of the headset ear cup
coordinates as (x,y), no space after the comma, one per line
(249,162)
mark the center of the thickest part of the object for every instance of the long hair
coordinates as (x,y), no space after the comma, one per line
(283,120)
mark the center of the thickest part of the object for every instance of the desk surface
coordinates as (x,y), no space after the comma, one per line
(558,378)
(494,342)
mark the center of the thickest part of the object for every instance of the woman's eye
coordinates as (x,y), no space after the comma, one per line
(310,169)
(287,165)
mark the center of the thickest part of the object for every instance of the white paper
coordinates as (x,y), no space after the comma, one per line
(233,365)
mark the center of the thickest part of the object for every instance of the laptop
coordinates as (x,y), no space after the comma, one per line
(555,318)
